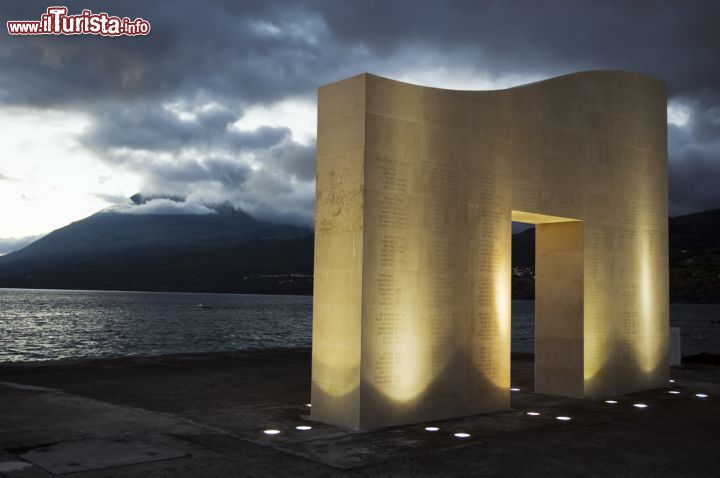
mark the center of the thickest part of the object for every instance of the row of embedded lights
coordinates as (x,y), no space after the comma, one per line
(467,435)
(562,418)
(428,429)
(302,428)
(677,392)
(532,414)
(614,402)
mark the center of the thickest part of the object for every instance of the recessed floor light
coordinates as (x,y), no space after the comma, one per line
(612,402)
(673,392)
(303,427)
(271,432)
(431,429)
(564,419)
(701,395)
(639,405)
(308,404)
(671,381)
(462,435)
(533,414)
(514,389)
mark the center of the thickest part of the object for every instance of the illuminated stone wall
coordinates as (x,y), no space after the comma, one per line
(416,191)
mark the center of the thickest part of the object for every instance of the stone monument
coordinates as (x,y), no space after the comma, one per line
(416,191)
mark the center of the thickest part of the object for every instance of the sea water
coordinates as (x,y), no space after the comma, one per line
(57,324)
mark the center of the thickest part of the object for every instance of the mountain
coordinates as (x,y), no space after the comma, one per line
(230,251)
(695,257)
(523,248)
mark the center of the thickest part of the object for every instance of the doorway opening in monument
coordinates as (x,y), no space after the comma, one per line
(546,292)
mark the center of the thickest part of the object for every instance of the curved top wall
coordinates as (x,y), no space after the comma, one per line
(416,191)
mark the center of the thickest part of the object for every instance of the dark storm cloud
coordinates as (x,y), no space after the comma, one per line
(242,52)
(237,54)
(256,51)
(694,169)
(154,127)
(676,41)
(295,159)
(694,182)
(183,176)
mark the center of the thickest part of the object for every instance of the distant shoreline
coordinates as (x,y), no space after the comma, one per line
(237,293)
(152,291)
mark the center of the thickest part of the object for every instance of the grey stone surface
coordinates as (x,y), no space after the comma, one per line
(97,453)
(13,466)
(214,407)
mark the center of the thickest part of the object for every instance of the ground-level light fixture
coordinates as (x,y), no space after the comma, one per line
(514,389)
(701,395)
(564,419)
(671,381)
(533,414)
(303,428)
(462,435)
(271,432)
(640,405)
(431,429)
(611,402)
(673,392)
(308,404)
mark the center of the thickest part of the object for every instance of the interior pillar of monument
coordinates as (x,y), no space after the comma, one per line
(559,300)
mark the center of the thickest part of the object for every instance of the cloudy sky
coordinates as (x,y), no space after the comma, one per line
(218,102)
